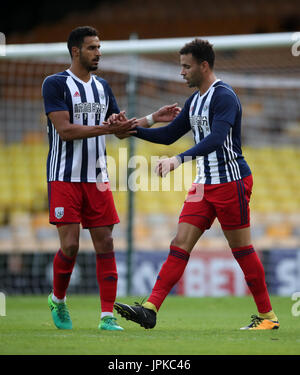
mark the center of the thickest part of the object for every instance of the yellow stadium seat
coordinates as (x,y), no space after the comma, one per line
(121,202)
(280,230)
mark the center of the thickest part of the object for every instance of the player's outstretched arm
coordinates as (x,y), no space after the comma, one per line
(168,134)
(166,114)
(69,132)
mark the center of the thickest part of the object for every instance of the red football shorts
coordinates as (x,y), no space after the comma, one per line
(229,202)
(81,202)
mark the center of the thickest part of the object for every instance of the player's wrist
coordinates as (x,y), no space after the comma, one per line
(150,120)
(107,129)
(177,159)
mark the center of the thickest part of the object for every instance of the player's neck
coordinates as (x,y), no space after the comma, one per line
(80,72)
(205,85)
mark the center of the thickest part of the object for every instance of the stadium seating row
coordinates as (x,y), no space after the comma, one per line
(168,18)
(24,223)
(23,181)
(33,233)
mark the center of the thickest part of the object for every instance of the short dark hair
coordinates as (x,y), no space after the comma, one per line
(77,36)
(201,50)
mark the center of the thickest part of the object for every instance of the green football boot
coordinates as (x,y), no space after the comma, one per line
(60,314)
(108,323)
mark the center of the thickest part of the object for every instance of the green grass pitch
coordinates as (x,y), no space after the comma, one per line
(186,326)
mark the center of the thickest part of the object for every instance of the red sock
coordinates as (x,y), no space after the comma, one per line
(254,276)
(62,270)
(169,275)
(107,277)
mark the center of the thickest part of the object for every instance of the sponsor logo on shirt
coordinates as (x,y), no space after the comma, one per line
(200,122)
(88,108)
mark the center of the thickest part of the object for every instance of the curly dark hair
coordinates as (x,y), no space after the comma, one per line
(201,50)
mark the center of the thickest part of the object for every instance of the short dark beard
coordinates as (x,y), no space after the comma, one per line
(86,65)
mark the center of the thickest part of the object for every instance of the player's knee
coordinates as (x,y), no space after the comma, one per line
(180,242)
(106,245)
(174,242)
(71,248)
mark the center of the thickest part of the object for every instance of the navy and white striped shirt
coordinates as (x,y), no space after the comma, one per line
(215,119)
(219,103)
(88,103)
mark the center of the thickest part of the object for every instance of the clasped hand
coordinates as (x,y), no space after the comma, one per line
(164,114)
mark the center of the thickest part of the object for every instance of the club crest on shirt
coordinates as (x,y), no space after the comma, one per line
(59,212)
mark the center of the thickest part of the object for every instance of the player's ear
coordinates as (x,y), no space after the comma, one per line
(205,66)
(75,51)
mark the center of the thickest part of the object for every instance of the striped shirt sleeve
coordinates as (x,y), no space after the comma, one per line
(53,95)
